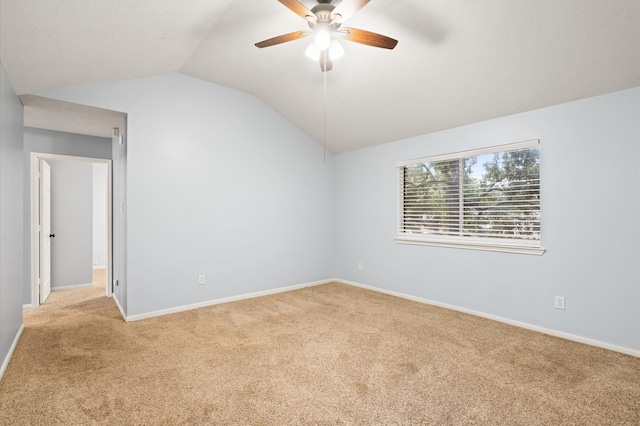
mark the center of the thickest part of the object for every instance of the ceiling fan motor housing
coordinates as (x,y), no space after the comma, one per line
(323,13)
(325,20)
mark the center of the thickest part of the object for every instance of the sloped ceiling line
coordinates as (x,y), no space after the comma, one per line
(457,61)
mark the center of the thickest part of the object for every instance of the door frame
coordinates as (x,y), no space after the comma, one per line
(35,209)
(44,234)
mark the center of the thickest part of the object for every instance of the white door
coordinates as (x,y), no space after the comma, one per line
(45,230)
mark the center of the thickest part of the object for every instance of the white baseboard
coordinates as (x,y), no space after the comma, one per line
(544,330)
(183,308)
(99,267)
(124,316)
(29,306)
(5,363)
(71,287)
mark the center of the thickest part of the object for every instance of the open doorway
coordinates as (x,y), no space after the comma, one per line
(100,171)
(100,224)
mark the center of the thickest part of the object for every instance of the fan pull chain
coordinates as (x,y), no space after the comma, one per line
(324,125)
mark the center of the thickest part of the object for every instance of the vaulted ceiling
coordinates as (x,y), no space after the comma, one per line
(457,61)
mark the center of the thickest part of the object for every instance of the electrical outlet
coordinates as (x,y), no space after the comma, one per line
(200,279)
(558,302)
(360,266)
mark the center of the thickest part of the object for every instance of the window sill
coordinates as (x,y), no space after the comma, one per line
(472,244)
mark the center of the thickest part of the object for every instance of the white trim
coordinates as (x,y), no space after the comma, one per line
(5,363)
(471,153)
(183,308)
(29,306)
(544,330)
(35,207)
(474,244)
(109,266)
(71,287)
(99,267)
(468,242)
(124,316)
(34,227)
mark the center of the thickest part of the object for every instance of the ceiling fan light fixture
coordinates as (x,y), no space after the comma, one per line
(336,51)
(312,52)
(325,21)
(322,38)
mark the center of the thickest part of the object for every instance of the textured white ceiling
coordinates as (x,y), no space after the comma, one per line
(457,61)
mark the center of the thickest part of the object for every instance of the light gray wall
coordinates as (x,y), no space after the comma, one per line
(217,184)
(11,193)
(119,218)
(52,142)
(100,204)
(210,190)
(71,222)
(62,143)
(590,208)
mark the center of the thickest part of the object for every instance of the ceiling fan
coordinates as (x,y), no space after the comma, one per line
(325,20)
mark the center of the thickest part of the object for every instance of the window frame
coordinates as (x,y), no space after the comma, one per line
(508,245)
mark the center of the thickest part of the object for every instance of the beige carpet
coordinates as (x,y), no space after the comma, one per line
(99,277)
(325,355)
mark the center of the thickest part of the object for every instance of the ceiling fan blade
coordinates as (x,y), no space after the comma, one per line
(282,39)
(368,38)
(299,9)
(326,64)
(347,8)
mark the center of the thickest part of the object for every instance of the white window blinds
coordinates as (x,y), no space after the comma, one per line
(487,199)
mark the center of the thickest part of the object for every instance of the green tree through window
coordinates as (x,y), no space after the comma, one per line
(481,194)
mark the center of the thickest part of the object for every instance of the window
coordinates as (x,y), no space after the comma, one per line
(485,199)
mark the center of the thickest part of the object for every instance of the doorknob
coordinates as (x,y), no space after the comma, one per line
(52,235)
